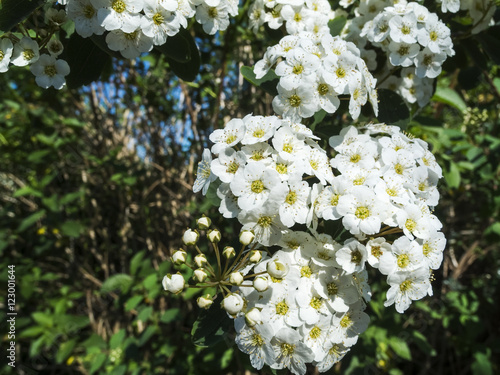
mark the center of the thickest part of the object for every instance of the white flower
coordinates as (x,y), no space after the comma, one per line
(26,51)
(55,47)
(84,14)
(200,260)
(6,49)
(294,208)
(246,237)
(352,256)
(255,341)
(204,302)
(200,275)
(227,164)
(254,184)
(212,18)
(347,326)
(50,72)
(253,317)
(259,129)
(337,289)
(118,14)
(334,353)
(402,54)
(160,21)
(407,287)
(281,309)
(54,16)
(173,283)
(429,63)
(204,175)
(288,145)
(229,202)
(261,283)
(297,69)
(375,248)
(130,43)
(432,248)
(405,255)
(179,257)
(290,351)
(295,104)
(404,28)
(232,133)
(190,237)
(264,222)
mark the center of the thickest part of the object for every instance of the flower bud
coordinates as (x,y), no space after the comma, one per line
(233,304)
(260,283)
(203,223)
(236,278)
(246,237)
(173,283)
(205,301)
(277,269)
(255,256)
(253,317)
(229,252)
(200,275)
(200,260)
(214,236)
(190,237)
(179,257)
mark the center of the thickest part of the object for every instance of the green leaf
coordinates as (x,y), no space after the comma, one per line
(400,347)
(119,281)
(119,370)
(482,364)
(30,220)
(117,339)
(27,190)
(70,197)
(72,228)
(450,97)
(32,331)
(65,350)
(182,55)
(392,109)
(146,335)
(336,25)
(151,281)
(211,325)
(13,12)
(145,314)
(37,156)
(86,60)
(170,315)
(136,262)
(452,176)
(43,319)
(97,362)
(133,302)
(268,83)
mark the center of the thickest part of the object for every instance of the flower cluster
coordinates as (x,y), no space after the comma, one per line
(297,15)
(314,69)
(135,26)
(26,51)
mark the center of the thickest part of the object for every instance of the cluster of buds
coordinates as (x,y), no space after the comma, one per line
(230,268)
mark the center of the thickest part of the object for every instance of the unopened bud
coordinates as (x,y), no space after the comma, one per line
(200,260)
(200,275)
(205,302)
(260,284)
(236,278)
(179,257)
(233,304)
(246,237)
(277,269)
(229,252)
(173,283)
(214,236)
(203,223)
(253,317)
(190,237)
(255,256)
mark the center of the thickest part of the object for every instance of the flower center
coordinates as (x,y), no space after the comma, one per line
(404,50)
(433,35)
(313,164)
(410,225)
(232,167)
(399,168)
(291,198)
(426,249)
(335,199)
(212,12)
(346,321)
(131,36)
(257,155)
(362,213)
(332,289)
(281,308)
(257,340)
(340,72)
(376,252)
(403,261)
(427,60)
(28,54)
(287,350)
(305,271)
(287,147)
(359,181)
(316,303)
(230,138)
(355,158)
(118,6)
(295,101)
(158,19)
(2,54)
(265,221)
(50,70)
(356,257)
(259,133)
(405,285)
(88,11)
(257,186)
(323,89)
(391,192)
(298,69)
(281,168)
(405,29)
(315,333)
